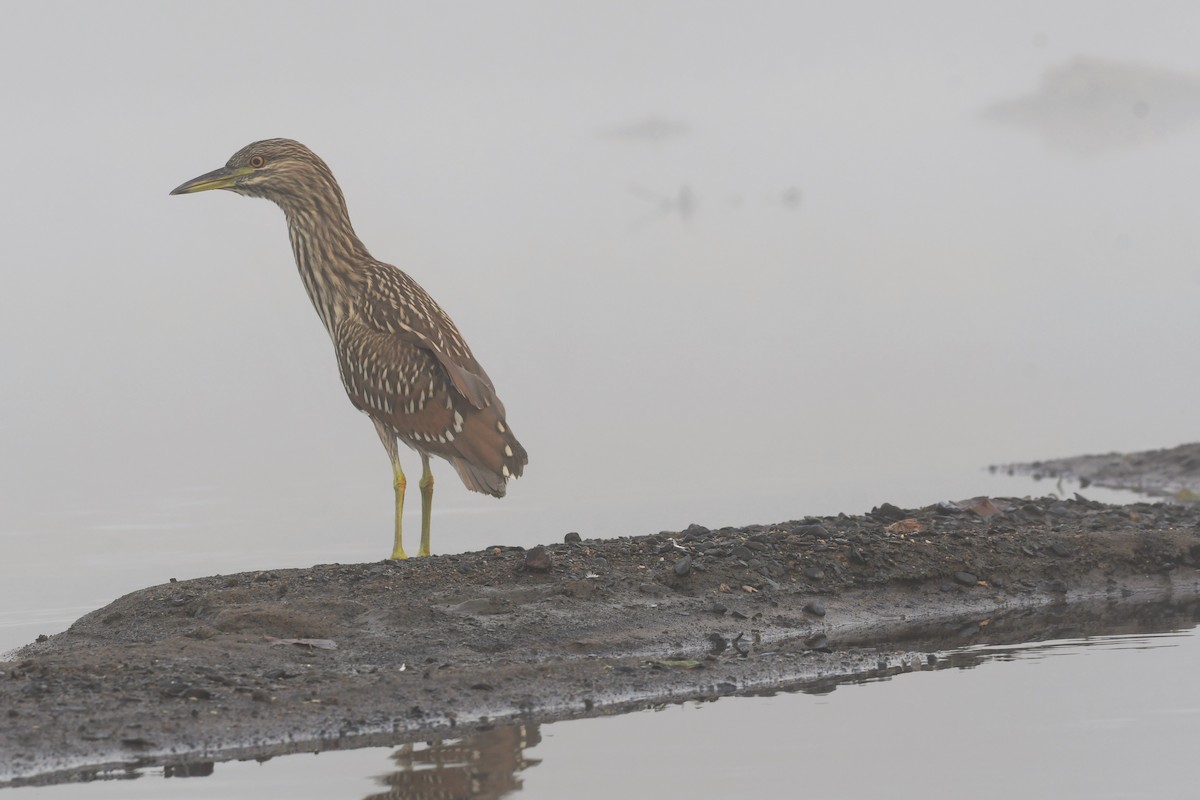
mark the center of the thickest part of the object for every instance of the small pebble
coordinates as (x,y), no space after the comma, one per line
(965,578)
(814,573)
(815,607)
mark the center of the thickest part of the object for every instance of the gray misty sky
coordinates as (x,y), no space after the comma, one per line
(947,292)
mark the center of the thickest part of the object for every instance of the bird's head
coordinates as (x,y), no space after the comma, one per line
(277,169)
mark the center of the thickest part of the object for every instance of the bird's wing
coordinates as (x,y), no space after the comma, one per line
(395,304)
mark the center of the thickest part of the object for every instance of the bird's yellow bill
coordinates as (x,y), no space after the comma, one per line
(221,178)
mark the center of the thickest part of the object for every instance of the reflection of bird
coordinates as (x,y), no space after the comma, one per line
(483,765)
(402,361)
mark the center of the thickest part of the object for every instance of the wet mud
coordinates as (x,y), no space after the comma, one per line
(260,664)
(1171,472)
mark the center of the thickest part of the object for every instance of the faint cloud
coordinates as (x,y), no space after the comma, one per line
(649,130)
(1091,105)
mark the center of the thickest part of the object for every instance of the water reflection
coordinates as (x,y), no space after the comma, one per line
(482,765)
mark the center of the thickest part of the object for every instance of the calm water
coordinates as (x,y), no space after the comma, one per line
(999,722)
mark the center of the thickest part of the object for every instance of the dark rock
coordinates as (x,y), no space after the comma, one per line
(756,545)
(815,607)
(717,608)
(857,556)
(683,566)
(196,693)
(742,552)
(538,560)
(572,538)
(1057,586)
(814,573)
(889,512)
(718,642)
(697,530)
(1061,550)
(819,642)
(965,578)
(1029,551)
(812,530)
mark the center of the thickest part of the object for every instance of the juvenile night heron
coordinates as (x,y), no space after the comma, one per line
(403,362)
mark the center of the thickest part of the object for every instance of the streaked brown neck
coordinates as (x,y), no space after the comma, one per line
(327,250)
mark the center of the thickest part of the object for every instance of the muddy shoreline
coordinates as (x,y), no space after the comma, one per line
(1172,472)
(207,669)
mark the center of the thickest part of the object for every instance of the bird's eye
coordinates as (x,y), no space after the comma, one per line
(257,161)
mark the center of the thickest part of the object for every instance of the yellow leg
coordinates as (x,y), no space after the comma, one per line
(426,506)
(400,484)
(388,437)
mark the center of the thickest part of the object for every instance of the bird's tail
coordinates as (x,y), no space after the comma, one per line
(489,453)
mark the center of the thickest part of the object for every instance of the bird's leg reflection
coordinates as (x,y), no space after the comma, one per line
(482,765)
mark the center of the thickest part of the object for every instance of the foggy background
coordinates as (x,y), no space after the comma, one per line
(726,264)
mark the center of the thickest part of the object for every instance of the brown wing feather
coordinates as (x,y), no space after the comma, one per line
(406,365)
(395,303)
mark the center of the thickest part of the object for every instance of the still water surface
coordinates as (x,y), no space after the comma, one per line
(1004,721)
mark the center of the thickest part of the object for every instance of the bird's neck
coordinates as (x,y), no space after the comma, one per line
(328,254)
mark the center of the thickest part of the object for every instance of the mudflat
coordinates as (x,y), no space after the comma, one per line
(343,655)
